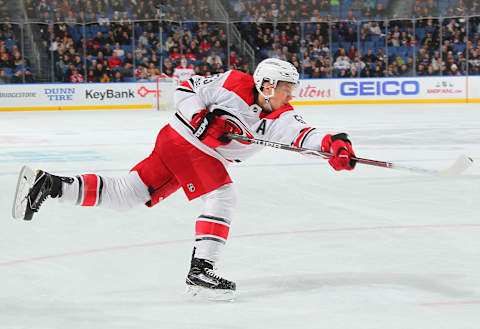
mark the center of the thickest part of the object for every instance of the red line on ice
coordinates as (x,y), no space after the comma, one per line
(250,235)
(467,302)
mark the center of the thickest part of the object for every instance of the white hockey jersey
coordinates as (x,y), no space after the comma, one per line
(232,94)
(181,74)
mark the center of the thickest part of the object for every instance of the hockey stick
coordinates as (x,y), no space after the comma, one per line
(460,165)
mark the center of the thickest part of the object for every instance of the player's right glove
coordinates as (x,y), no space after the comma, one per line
(210,128)
(341,148)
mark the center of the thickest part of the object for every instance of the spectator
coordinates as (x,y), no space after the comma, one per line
(117,77)
(350,36)
(99,70)
(155,60)
(277,53)
(3,77)
(461,63)
(128,62)
(68,72)
(168,67)
(353,73)
(107,51)
(17,59)
(153,72)
(118,50)
(76,76)
(169,43)
(373,28)
(101,59)
(364,36)
(474,61)
(352,52)
(17,77)
(105,77)
(307,64)
(205,45)
(175,55)
(103,20)
(391,70)
(141,73)
(369,56)
(421,70)
(234,59)
(436,61)
(394,37)
(377,72)
(115,61)
(99,39)
(141,49)
(214,59)
(144,38)
(358,64)
(218,69)
(91,76)
(454,70)
(5,61)
(404,70)
(120,36)
(380,10)
(342,63)
(217,48)
(366,72)
(400,61)
(205,69)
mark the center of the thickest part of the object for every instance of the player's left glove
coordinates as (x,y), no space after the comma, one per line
(341,148)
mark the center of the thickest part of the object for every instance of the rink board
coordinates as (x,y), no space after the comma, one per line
(83,96)
(459,89)
(142,95)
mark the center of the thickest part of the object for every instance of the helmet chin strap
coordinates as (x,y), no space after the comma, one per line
(267,99)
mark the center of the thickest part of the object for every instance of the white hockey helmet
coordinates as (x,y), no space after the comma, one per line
(273,70)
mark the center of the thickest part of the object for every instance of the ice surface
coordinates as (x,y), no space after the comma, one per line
(309,247)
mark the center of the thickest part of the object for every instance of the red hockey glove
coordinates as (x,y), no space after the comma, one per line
(210,128)
(341,147)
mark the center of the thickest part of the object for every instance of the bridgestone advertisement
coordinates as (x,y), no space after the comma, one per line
(65,96)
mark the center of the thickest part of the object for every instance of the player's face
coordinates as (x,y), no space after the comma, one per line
(283,94)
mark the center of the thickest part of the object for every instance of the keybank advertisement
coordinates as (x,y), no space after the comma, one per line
(82,95)
(382,89)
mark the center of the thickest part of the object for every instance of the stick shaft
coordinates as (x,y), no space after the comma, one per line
(326,155)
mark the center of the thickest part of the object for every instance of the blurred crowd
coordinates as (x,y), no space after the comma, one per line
(122,40)
(371,49)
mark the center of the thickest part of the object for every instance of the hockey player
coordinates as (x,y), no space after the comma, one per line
(183,72)
(192,153)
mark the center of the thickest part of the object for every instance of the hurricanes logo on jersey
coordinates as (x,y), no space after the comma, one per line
(191,187)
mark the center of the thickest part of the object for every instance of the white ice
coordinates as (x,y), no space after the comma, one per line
(308,248)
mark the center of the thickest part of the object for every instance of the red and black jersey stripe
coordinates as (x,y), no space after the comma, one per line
(302,136)
(90,188)
(212,228)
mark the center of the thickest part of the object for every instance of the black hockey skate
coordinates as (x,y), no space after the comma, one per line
(202,281)
(33,189)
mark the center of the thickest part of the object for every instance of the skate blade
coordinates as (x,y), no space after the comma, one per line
(26,178)
(201,293)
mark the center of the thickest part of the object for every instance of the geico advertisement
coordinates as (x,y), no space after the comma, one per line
(381,88)
(77,94)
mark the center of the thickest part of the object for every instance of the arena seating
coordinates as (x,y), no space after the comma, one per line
(359,36)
